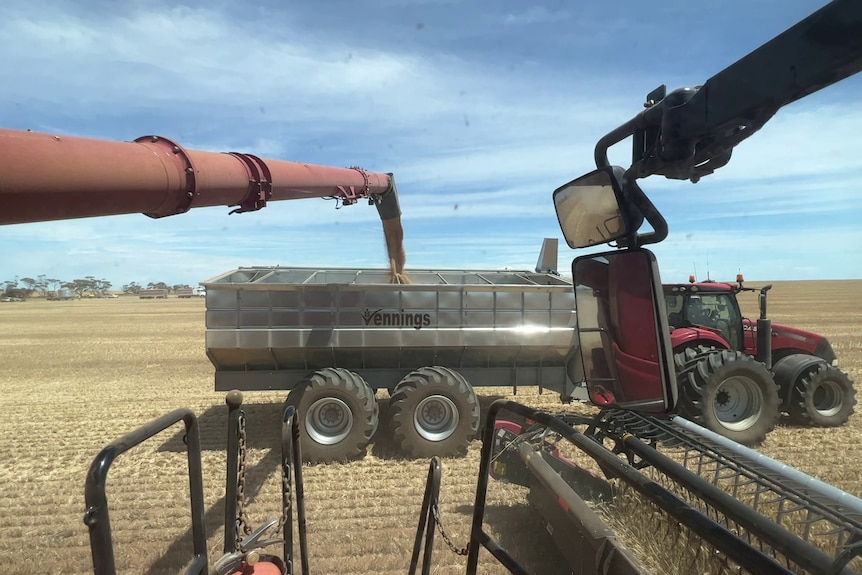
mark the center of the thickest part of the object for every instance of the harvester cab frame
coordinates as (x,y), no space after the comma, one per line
(737,502)
(618,295)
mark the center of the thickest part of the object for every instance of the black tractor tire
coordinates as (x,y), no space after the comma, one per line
(434,411)
(338,415)
(686,359)
(729,393)
(823,396)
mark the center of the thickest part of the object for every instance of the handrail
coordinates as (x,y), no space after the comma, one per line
(291,456)
(426,519)
(96,516)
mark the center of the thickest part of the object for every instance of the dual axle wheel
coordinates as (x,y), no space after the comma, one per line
(434,412)
(338,414)
(735,396)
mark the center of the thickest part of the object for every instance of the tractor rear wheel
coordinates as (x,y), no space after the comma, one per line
(824,396)
(729,393)
(338,415)
(434,412)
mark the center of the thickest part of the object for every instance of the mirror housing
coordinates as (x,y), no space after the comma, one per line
(623,334)
(588,209)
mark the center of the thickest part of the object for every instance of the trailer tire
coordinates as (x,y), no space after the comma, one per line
(338,415)
(729,393)
(434,412)
(823,396)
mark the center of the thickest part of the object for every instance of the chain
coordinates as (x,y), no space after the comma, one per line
(284,521)
(242,526)
(435,511)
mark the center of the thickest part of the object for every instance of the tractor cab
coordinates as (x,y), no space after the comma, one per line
(705,311)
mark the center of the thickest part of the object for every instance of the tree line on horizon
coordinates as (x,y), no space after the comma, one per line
(42,286)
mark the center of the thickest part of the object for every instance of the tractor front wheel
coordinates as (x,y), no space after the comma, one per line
(729,393)
(824,396)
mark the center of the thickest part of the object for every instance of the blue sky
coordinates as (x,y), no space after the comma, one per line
(480,109)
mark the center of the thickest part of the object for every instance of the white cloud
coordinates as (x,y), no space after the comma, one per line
(535,15)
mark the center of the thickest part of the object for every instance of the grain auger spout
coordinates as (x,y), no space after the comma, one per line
(46,177)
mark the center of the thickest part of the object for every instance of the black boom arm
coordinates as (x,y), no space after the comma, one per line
(691,132)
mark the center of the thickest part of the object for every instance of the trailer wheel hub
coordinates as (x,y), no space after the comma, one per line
(436,418)
(328,421)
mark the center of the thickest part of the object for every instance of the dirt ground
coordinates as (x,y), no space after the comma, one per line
(76,375)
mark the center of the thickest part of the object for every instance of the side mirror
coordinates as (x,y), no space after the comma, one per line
(588,208)
(623,333)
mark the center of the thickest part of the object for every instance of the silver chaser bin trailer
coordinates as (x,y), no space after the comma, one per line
(333,337)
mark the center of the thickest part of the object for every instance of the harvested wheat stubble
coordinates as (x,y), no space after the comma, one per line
(78,374)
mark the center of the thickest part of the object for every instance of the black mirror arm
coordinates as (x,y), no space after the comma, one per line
(613,137)
(645,121)
(636,204)
(644,205)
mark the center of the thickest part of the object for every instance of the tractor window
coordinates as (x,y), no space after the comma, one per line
(674,303)
(706,310)
(715,311)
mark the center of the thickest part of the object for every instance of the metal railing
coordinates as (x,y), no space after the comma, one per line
(96,516)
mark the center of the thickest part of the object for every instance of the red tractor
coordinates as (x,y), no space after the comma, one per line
(735,380)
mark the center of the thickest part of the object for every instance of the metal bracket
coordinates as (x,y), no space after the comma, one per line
(349,195)
(259,183)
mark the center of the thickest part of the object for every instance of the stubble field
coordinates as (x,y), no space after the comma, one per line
(76,375)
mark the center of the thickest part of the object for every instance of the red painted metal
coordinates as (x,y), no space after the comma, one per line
(49,177)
